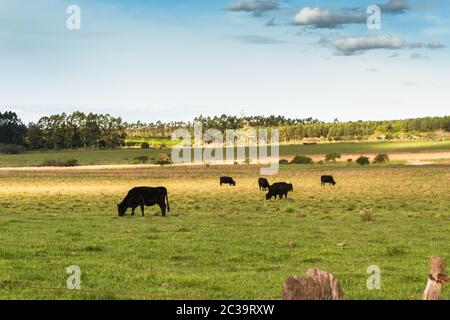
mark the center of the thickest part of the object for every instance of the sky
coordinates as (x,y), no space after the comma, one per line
(174,60)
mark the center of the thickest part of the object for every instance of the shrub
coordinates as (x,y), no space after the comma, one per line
(363,161)
(349,161)
(141,159)
(145,145)
(283,161)
(163,159)
(58,163)
(163,162)
(366,214)
(71,163)
(381,158)
(11,148)
(131,143)
(302,160)
(332,156)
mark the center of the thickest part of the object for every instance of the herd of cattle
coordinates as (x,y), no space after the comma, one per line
(148,196)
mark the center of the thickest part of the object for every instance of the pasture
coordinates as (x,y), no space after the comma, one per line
(126,156)
(221,242)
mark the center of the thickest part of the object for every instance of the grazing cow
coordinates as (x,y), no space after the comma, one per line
(144,196)
(227,180)
(263,184)
(327,180)
(279,189)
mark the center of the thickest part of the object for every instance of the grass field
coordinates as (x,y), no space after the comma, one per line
(222,242)
(126,156)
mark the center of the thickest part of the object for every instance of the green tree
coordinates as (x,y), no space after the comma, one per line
(302,160)
(35,137)
(332,156)
(363,160)
(381,158)
(12,130)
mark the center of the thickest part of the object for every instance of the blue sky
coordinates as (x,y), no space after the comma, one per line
(172,60)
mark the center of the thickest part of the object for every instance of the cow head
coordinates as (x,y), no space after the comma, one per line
(268,196)
(290,187)
(121,208)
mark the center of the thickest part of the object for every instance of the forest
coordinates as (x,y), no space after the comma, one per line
(101,131)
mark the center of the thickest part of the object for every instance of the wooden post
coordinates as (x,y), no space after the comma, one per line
(436,279)
(317,285)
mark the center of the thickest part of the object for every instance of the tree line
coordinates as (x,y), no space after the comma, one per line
(80,130)
(299,129)
(62,131)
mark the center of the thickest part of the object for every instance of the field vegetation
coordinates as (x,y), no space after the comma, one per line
(128,155)
(222,242)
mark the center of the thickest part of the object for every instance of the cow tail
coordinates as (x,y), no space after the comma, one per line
(167,199)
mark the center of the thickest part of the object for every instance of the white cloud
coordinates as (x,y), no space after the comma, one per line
(356,45)
(255,7)
(329,18)
(436,45)
(394,6)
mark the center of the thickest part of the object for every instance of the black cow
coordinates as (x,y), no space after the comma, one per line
(279,189)
(144,196)
(227,180)
(263,184)
(327,180)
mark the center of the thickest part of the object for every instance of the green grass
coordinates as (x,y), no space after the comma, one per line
(168,142)
(222,242)
(126,156)
(84,157)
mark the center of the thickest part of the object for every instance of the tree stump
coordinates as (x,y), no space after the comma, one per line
(317,285)
(436,279)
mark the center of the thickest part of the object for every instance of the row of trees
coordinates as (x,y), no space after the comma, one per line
(80,130)
(162,130)
(12,130)
(61,131)
(298,129)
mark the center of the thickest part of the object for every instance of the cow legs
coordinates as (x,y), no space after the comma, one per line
(142,205)
(163,209)
(132,211)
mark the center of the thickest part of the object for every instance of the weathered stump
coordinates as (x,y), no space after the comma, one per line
(317,285)
(436,279)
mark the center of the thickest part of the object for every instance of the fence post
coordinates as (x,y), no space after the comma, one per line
(436,279)
(317,285)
